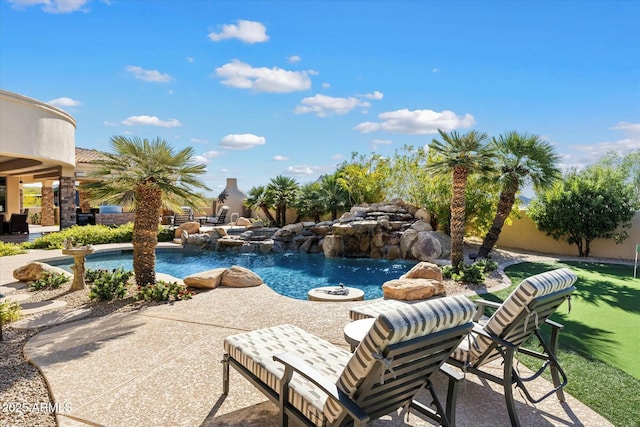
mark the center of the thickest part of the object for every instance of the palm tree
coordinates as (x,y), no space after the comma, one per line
(333,196)
(522,159)
(259,199)
(283,190)
(308,203)
(460,155)
(146,175)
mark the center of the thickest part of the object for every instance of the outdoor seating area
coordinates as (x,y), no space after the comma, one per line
(17,224)
(269,343)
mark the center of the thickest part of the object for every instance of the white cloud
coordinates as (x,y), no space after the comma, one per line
(154,76)
(53,6)
(337,157)
(293,59)
(190,59)
(435,70)
(376,142)
(64,102)
(241,141)
(377,95)
(247,31)
(200,160)
(417,122)
(301,170)
(110,124)
(280,158)
(198,141)
(273,80)
(151,121)
(212,154)
(584,155)
(326,85)
(323,105)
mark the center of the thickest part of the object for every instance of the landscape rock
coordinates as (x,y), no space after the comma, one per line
(240,277)
(206,280)
(333,246)
(190,227)
(412,289)
(243,222)
(33,271)
(424,270)
(426,247)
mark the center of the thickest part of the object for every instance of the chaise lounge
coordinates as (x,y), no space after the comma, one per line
(319,384)
(502,335)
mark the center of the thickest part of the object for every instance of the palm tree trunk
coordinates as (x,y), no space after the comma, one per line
(458,205)
(505,204)
(267,213)
(145,233)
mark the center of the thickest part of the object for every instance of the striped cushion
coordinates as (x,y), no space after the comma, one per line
(255,350)
(403,322)
(530,288)
(373,310)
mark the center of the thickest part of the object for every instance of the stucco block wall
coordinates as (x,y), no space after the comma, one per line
(523,234)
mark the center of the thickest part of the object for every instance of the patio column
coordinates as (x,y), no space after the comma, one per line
(47,217)
(67,203)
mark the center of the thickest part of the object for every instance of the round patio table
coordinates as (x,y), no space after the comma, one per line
(334,294)
(355,331)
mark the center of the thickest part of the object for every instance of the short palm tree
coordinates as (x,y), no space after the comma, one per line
(521,159)
(147,176)
(333,195)
(283,190)
(460,155)
(258,198)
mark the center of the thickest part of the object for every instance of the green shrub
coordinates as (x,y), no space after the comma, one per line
(8,249)
(107,285)
(487,264)
(35,218)
(163,291)
(10,311)
(466,273)
(92,235)
(49,280)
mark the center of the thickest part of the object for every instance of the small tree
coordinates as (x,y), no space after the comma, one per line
(592,204)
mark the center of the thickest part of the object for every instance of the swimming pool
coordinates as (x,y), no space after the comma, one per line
(290,274)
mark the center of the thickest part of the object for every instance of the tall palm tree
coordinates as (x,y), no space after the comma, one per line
(521,159)
(283,190)
(460,155)
(258,198)
(146,175)
(309,203)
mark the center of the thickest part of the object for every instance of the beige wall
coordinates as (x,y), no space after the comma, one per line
(523,234)
(34,130)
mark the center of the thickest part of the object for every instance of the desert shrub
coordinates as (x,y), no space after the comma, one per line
(107,285)
(163,291)
(487,264)
(35,218)
(10,311)
(49,280)
(467,273)
(166,235)
(8,249)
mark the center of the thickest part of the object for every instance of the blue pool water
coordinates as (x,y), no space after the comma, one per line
(290,274)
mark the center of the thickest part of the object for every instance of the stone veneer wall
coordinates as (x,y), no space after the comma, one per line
(47,217)
(67,202)
(114,218)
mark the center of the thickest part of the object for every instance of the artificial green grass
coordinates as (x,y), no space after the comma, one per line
(600,338)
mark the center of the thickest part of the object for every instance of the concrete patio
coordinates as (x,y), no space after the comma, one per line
(161,365)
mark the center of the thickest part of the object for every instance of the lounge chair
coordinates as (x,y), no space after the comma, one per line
(515,320)
(17,224)
(221,218)
(186,215)
(319,384)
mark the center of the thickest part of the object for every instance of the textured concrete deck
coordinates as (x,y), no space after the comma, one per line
(161,365)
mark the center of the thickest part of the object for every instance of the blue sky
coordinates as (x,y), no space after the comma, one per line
(282,87)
